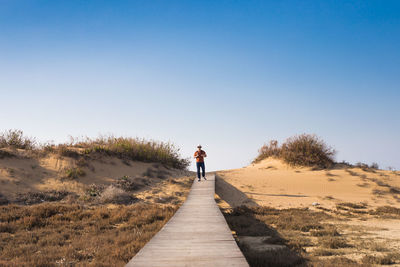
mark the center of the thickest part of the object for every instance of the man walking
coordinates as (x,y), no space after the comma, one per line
(199,155)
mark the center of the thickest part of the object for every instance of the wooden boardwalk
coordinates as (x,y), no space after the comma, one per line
(197,235)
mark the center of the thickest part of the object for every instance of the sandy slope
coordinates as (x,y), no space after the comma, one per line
(29,174)
(273,183)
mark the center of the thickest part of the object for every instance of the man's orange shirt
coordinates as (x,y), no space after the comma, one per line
(199,158)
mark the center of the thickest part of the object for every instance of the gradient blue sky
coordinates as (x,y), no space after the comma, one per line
(230,75)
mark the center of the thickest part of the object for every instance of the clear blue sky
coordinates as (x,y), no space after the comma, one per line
(230,75)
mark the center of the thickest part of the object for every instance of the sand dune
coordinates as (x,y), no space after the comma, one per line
(22,174)
(360,205)
(273,183)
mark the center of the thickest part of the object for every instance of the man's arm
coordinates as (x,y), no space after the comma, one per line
(204,154)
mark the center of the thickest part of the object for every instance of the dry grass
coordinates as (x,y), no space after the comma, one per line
(126,148)
(74,173)
(353,205)
(388,259)
(16,139)
(286,257)
(128,184)
(333,242)
(386,212)
(336,262)
(309,238)
(30,198)
(300,150)
(116,195)
(133,149)
(52,234)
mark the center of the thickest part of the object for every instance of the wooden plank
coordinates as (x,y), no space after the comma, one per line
(197,235)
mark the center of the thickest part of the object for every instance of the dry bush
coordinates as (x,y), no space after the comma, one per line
(300,150)
(368,168)
(374,165)
(74,173)
(116,195)
(95,190)
(270,150)
(307,150)
(127,184)
(76,235)
(16,139)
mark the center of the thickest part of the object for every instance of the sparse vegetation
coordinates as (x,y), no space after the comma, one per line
(300,150)
(52,233)
(41,196)
(245,222)
(16,139)
(368,168)
(346,205)
(74,173)
(386,211)
(127,184)
(334,242)
(307,236)
(134,149)
(387,259)
(126,148)
(290,227)
(116,195)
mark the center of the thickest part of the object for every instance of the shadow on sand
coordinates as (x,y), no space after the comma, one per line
(261,244)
